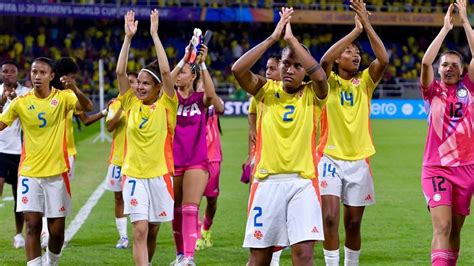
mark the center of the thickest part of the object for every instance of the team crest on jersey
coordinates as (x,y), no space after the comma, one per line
(24,199)
(153,107)
(258,234)
(54,102)
(134,202)
(461,92)
(355,81)
(324,184)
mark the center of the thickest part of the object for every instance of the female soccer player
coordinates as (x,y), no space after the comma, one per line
(190,152)
(44,185)
(447,175)
(148,164)
(284,207)
(116,122)
(346,141)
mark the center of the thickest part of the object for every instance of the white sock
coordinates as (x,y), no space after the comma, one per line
(351,257)
(331,257)
(52,259)
(35,262)
(45,226)
(276,258)
(121,226)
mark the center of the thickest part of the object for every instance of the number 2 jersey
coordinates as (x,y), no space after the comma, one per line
(450,111)
(286,131)
(43,120)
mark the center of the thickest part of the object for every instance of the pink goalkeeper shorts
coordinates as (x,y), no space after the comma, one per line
(449,186)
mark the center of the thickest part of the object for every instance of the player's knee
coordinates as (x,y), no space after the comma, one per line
(442,228)
(353,225)
(330,220)
(33,227)
(140,234)
(302,256)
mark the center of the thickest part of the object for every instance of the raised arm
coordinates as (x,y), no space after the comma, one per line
(161,54)
(462,9)
(210,96)
(130,29)
(378,66)
(180,65)
(312,67)
(338,48)
(241,69)
(427,72)
(83,103)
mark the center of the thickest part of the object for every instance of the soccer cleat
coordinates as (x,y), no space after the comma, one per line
(206,237)
(188,261)
(18,241)
(44,240)
(122,243)
(200,245)
(179,259)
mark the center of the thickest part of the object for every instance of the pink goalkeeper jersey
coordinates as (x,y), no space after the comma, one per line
(450,111)
(213,137)
(189,144)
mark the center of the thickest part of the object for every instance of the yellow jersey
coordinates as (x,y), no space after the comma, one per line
(43,121)
(345,123)
(118,139)
(286,131)
(149,136)
(252,106)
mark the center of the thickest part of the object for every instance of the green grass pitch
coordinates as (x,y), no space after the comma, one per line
(395,231)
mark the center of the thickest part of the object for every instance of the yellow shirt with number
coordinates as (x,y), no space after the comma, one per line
(286,131)
(345,123)
(149,137)
(43,121)
(118,140)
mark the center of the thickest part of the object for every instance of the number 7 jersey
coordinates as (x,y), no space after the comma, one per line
(43,120)
(450,111)
(286,131)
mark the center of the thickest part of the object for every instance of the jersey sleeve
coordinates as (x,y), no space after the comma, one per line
(267,89)
(316,100)
(252,106)
(71,101)
(371,85)
(170,103)
(126,100)
(113,109)
(10,114)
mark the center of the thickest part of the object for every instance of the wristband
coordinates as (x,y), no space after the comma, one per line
(181,63)
(104,112)
(203,66)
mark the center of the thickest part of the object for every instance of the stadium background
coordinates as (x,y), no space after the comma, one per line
(396,231)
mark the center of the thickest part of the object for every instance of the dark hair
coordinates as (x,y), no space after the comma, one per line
(132,73)
(274,56)
(154,67)
(65,66)
(453,52)
(9,62)
(196,70)
(56,83)
(290,48)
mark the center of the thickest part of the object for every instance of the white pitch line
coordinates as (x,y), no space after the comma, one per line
(83,213)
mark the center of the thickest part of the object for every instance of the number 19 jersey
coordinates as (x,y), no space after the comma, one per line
(43,121)
(286,131)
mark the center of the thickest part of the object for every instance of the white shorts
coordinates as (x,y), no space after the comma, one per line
(72,166)
(114,178)
(50,196)
(283,210)
(150,199)
(349,180)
